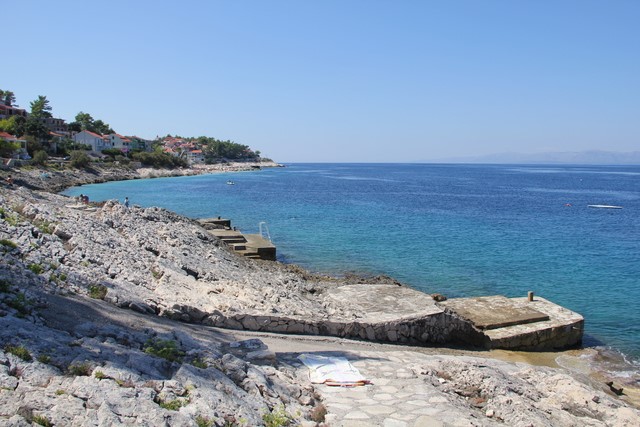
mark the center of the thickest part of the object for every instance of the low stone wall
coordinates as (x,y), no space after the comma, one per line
(441,327)
(437,328)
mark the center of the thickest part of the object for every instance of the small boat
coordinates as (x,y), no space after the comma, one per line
(605,206)
(231,182)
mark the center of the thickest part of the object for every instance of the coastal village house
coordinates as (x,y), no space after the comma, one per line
(95,141)
(7,111)
(141,144)
(55,125)
(121,142)
(195,157)
(188,150)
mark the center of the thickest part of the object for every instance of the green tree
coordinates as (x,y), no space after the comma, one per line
(33,145)
(13,125)
(102,127)
(159,160)
(216,150)
(40,108)
(7,148)
(74,127)
(7,97)
(34,126)
(84,121)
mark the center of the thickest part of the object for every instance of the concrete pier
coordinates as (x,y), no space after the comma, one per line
(399,314)
(249,245)
(519,324)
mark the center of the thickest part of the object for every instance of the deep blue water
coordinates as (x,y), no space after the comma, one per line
(459,230)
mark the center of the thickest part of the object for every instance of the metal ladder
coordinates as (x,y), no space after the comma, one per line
(264,233)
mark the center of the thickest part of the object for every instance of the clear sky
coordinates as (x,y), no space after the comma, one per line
(338,80)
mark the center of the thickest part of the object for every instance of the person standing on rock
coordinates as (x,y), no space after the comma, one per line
(126,202)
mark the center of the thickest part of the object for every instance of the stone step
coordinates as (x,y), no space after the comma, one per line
(249,253)
(233,240)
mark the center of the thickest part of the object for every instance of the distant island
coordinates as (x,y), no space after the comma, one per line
(591,157)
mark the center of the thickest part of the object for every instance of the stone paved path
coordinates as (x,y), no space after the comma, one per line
(398,395)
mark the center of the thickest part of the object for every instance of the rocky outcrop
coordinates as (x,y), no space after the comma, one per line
(106,373)
(154,261)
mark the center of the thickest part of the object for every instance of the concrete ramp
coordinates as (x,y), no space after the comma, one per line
(384,303)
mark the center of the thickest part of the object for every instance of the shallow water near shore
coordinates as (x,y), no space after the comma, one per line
(459,230)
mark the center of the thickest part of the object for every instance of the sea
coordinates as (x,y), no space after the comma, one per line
(456,229)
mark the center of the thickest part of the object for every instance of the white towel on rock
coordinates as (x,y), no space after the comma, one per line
(336,371)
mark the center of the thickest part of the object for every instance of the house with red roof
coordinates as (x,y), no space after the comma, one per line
(95,141)
(7,137)
(195,157)
(121,142)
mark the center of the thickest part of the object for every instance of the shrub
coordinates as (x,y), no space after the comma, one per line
(7,149)
(4,285)
(19,351)
(199,363)
(204,421)
(79,159)
(40,157)
(159,160)
(42,420)
(166,349)
(172,405)
(45,226)
(44,358)
(230,421)
(36,268)
(11,219)
(97,291)
(79,369)
(125,383)
(276,418)
(19,303)
(112,152)
(8,243)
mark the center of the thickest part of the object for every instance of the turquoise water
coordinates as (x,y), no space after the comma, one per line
(459,230)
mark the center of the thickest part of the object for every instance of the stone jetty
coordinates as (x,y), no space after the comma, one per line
(109,316)
(255,246)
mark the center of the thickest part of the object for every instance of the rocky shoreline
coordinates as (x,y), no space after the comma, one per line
(56,179)
(107,315)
